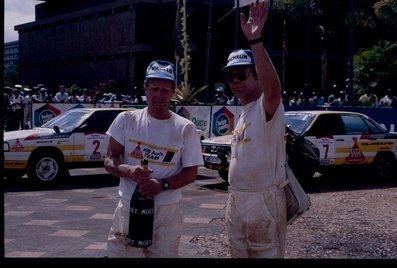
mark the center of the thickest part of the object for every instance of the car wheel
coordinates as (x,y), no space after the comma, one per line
(224,174)
(384,166)
(46,168)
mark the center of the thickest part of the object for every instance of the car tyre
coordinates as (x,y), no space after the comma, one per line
(47,168)
(384,166)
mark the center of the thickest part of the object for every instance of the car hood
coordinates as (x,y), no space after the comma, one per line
(28,133)
(219,140)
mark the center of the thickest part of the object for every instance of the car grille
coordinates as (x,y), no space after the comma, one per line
(214,149)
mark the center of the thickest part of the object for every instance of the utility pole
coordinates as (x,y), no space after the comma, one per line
(324,65)
(307,48)
(209,37)
(352,23)
(207,54)
(237,26)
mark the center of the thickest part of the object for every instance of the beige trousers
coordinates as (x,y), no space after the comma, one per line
(256,223)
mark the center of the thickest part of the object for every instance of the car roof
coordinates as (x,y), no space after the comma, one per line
(103,109)
(318,112)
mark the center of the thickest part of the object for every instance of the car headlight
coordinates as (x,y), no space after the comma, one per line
(6,147)
(206,148)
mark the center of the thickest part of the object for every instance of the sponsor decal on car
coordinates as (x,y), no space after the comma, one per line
(355,155)
(17,147)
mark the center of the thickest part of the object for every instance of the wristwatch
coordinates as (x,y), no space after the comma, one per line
(165,184)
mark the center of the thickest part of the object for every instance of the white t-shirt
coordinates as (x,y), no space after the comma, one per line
(169,145)
(258,149)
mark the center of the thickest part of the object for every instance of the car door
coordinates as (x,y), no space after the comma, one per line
(361,139)
(327,133)
(92,134)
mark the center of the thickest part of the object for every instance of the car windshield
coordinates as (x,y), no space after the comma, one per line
(68,120)
(298,122)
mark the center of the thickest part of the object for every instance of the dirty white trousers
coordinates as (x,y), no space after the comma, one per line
(256,223)
(167,232)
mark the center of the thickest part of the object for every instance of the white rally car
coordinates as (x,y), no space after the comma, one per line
(322,141)
(76,138)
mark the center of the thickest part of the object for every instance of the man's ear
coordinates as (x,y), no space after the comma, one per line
(145,83)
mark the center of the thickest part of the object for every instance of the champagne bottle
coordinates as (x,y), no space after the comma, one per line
(140,229)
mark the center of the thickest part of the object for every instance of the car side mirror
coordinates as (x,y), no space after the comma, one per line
(56,129)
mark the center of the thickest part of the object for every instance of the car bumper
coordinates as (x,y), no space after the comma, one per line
(212,161)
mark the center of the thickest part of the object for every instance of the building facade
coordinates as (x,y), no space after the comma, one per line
(93,41)
(11,54)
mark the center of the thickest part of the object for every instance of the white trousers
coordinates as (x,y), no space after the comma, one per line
(256,223)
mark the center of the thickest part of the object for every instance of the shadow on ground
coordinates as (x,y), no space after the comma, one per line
(73,182)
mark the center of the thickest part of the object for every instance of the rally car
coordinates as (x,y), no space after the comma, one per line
(76,138)
(319,141)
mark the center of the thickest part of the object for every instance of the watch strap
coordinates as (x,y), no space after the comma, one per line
(165,184)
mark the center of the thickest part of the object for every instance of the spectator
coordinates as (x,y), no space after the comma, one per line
(220,96)
(73,98)
(41,96)
(332,96)
(7,108)
(340,100)
(86,98)
(369,99)
(99,94)
(17,103)
(61,95)
(387,99)
(27,111)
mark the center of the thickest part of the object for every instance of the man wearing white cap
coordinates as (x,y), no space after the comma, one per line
(171,145)
(256,207)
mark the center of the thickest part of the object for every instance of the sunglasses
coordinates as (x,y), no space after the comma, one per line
(240,76)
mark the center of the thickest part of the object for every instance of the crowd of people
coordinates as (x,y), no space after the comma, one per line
(18,100)
(341,98)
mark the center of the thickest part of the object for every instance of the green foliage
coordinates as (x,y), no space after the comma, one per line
(74,89)
(386,12)
(11,75)
(185,95)
(375,67)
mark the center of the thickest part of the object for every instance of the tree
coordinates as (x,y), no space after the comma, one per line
(386,12)
(375,67)
(11,76)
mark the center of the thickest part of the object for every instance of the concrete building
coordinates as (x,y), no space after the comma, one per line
(93,41)
(11,54)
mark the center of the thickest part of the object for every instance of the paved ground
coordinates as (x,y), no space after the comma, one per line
(73,219)
(351,219)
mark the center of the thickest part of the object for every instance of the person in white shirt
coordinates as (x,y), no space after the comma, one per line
(17,104)
(387,99)
(61,95)
(27,111)
(171,145)
(256,213)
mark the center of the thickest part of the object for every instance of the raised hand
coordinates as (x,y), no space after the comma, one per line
(252,27)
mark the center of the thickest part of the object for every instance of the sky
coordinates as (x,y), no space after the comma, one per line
(17,12)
